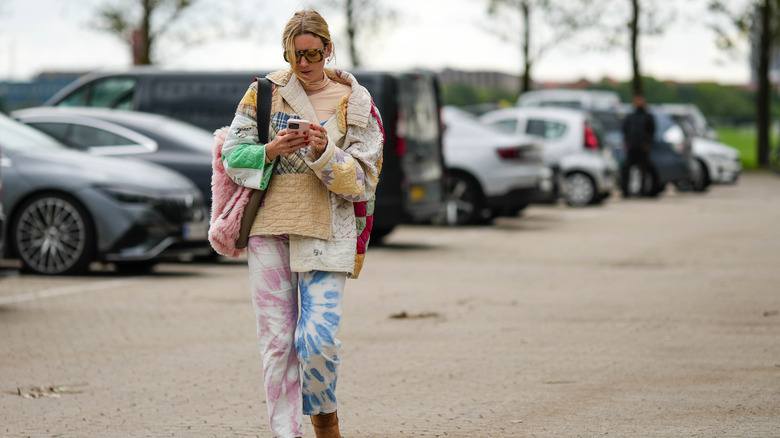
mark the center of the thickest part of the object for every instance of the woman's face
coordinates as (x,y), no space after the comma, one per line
(309,71)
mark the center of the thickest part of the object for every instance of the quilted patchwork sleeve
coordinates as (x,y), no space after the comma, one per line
(353,172)
(243,157)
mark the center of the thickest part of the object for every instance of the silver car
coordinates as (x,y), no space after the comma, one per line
(66,209)
(585,171)
(491,173)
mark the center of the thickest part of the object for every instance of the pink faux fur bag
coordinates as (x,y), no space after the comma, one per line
(228,202)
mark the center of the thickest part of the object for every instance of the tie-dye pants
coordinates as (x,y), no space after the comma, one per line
(293,346)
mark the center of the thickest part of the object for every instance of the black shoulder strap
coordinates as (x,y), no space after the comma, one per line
(264,90)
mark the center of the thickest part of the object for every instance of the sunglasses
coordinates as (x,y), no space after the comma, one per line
(312,55)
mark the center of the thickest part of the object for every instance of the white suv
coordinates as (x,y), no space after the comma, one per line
(585,171)
(490,173)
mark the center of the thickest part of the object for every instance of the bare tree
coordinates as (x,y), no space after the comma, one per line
(144,24)
(539,25)
(758,20)
(633,26)
(632,20)
(364,18)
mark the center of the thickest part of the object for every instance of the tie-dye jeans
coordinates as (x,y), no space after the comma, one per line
(287,341)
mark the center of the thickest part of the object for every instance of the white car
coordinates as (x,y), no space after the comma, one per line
(571,98)
(713,162)
(584,168)
(718,162)
(490,173)
(690,113)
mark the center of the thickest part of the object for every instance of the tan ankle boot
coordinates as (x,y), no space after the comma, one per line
(326,425)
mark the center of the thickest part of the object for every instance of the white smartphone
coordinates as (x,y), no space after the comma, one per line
(301,126)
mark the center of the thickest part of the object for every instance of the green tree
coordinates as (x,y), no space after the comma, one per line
(536,26)
(758,20)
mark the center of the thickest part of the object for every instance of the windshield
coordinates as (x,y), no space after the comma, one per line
(16,136)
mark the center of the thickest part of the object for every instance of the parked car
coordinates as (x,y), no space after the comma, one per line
(584,170)
(719,163)
(490,173)
(571,98)
(670,155)
(690,112)
(151,137)
(66,209)
(611,122)
(412,184)
(711,161)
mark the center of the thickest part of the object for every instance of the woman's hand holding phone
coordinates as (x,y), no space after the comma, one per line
(289,140)
(318,139)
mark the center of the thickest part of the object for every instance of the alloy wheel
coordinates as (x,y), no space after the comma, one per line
(52,235)
(578,190)
(464,203)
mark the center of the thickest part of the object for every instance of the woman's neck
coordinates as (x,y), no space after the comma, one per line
(316,86)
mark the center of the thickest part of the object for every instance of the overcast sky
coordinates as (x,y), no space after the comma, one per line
(53,35)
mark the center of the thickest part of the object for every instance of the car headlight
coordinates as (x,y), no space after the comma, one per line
(130,196)
(177,207)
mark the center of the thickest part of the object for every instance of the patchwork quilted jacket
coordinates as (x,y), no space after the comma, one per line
(324,204)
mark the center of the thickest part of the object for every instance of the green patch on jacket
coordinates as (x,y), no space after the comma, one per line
(246,156)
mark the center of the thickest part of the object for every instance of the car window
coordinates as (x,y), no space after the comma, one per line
(56,130)
(18,136)
(609,120)
(107,93)
(86,136)
(419,112)
(561,103)
(506,125)
(545,128)
(83,137)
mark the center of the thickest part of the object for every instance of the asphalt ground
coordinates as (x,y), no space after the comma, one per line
(638,318)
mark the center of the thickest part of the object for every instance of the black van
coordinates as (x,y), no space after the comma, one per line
(412,184)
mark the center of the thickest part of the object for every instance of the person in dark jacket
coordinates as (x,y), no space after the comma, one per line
(638,134)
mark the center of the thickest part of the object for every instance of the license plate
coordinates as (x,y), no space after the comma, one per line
(195,231)
(417,193)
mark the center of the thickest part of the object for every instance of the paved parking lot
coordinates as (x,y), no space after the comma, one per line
(642,318)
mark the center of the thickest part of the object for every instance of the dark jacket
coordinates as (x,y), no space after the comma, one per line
(639,129)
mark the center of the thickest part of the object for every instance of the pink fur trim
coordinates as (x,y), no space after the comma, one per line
(228,203)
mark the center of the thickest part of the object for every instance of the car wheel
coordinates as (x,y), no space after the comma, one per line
(698,181)
(53,234)
(635,181)
(655,187)
(465,203)
(579,189)
(701,180)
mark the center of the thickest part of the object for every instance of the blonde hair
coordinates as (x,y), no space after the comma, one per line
(303,22)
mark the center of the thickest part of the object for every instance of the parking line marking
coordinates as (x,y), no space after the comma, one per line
(62,291)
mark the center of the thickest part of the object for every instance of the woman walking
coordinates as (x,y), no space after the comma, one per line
(310,233)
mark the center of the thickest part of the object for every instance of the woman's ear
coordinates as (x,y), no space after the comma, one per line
(329,50)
